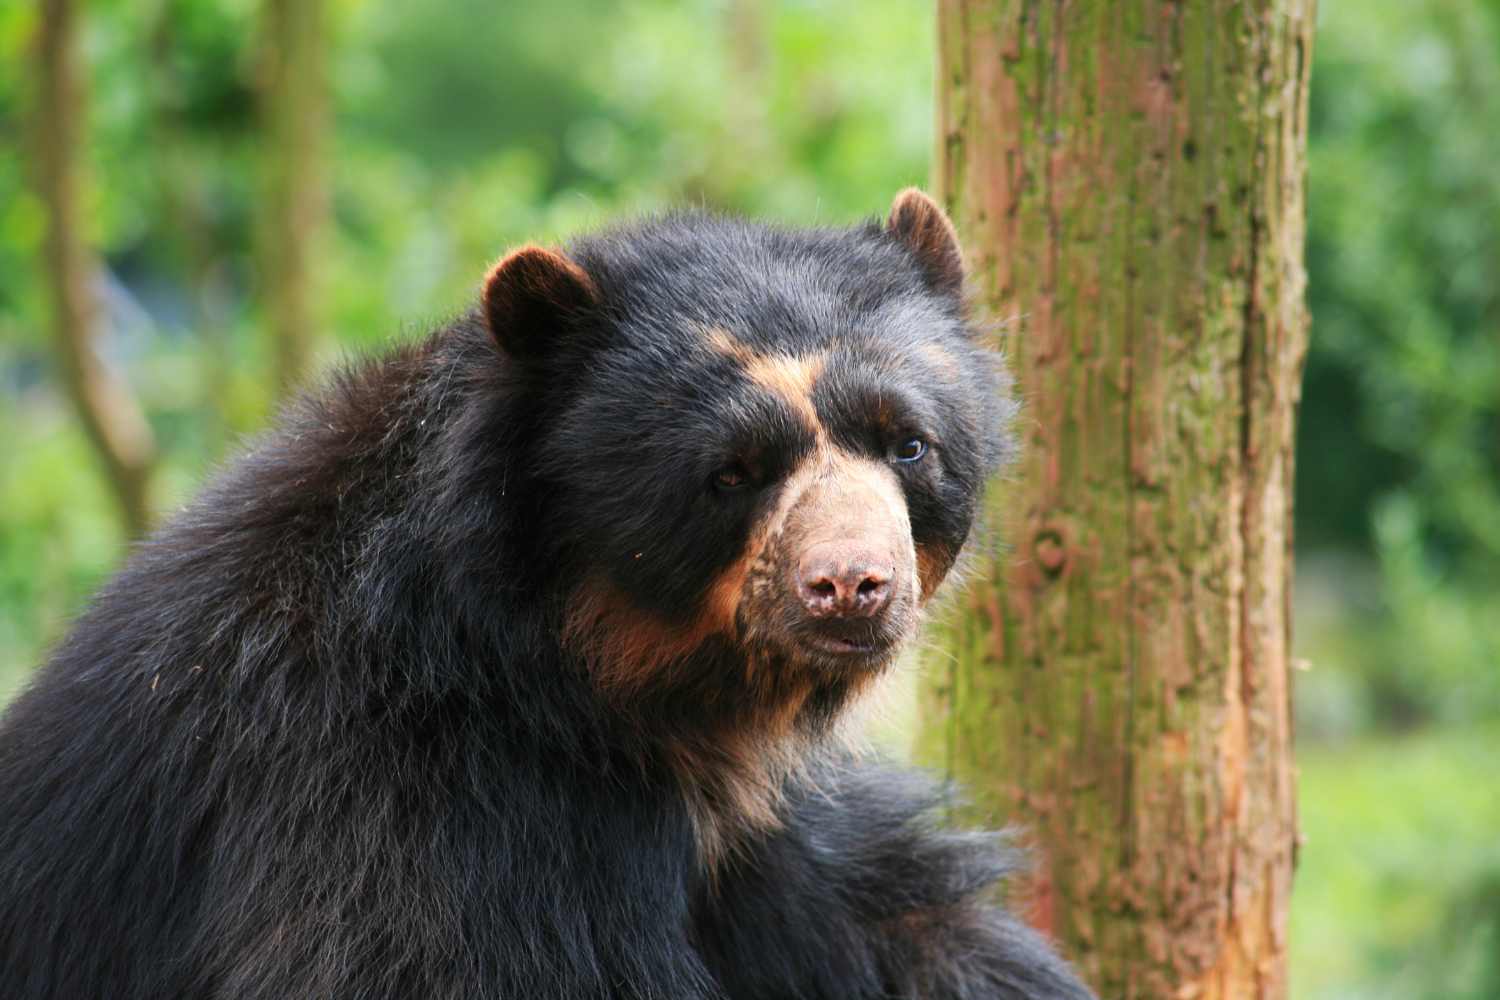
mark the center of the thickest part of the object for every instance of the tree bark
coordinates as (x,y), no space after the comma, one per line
(109,413)
(295,106)
(1128,180)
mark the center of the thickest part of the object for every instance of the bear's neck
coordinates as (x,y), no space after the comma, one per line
(734,760)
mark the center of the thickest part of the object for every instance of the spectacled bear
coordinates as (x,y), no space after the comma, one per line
(511,664)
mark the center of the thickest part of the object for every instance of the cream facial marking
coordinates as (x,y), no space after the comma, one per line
(788,378)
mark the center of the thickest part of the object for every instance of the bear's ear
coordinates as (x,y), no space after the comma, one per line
(530,295)
(918,222)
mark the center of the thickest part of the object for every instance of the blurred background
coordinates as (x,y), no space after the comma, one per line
(457,131)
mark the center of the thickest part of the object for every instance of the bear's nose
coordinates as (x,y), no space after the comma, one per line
(836,581)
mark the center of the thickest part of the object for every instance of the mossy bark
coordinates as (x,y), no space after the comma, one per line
(1128,182)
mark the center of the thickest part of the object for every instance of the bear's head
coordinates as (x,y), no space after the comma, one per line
(763,451)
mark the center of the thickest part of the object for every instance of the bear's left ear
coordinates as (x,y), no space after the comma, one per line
(530,296)
(919,223)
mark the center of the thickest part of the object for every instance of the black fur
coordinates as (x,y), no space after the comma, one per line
(321,738)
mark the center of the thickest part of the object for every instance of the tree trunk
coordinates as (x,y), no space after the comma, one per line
(186,202)
(110,415)
(295,106)
(1128,179)
(748,28)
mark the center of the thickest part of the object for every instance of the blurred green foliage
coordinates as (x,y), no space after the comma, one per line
(1399,449)
(464,127)
(1398,886)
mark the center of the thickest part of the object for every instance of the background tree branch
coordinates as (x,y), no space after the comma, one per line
(109,413)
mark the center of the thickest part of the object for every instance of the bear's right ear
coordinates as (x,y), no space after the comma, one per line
(917,221)
(530,295)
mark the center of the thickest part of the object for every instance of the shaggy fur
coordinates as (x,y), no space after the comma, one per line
(466,681)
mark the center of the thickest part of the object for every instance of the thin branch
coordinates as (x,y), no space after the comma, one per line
(110,414)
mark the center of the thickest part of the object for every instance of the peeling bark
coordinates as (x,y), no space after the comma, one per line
(1128,180)
(109,413)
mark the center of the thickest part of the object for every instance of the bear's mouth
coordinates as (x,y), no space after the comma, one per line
(844,645)
(852,647)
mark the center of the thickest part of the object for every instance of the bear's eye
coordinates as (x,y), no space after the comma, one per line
(733,476)
(910,450)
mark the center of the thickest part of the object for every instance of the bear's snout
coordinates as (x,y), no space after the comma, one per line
(845,579)
(845,562)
